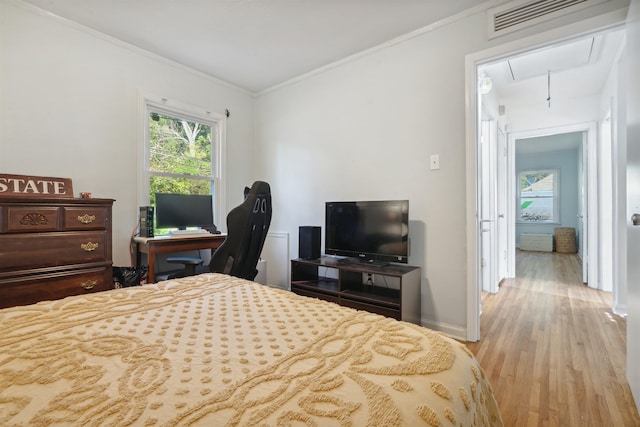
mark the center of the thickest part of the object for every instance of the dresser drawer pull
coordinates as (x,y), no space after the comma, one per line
(89,284)
(86,218)
(89,246)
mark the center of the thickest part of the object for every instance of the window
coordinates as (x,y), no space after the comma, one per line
(538,196)
(183,152)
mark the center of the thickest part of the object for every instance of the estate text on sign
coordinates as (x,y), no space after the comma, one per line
(34,186)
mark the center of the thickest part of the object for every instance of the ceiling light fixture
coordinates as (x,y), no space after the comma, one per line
(485,83)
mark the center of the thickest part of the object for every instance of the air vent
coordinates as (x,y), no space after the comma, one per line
(518,15)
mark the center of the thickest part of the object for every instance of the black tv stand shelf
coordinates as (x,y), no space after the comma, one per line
(391,290)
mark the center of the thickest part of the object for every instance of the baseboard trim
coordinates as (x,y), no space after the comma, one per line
(453,331)
(620,310)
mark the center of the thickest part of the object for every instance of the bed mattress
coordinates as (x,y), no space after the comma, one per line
(216,350)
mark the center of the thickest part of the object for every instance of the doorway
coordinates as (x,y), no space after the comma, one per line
(536,121)
(567,150)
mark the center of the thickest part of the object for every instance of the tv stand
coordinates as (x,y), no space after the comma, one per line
(358,261)
(391,290)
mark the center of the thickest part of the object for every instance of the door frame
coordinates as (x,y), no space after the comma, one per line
(606,206)
(589,181)
(585,27)
(494,205)
(488,206)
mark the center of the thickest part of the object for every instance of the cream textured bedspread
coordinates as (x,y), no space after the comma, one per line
(214,350)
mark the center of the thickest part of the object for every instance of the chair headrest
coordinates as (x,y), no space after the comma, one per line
(258,187)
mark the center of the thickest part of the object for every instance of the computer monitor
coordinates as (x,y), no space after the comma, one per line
(183,210)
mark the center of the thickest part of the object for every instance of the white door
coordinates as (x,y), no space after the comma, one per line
(588,216)
(582,231)
(488,261)
(502,229)
(605,206)
(592,218)
(633,198)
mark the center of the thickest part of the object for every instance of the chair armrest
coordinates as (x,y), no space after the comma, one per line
(185,260)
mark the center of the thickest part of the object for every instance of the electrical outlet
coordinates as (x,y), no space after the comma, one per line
(368,278)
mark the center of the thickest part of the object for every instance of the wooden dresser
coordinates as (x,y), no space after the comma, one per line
(51,248)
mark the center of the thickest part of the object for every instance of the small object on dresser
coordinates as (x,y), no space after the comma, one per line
(85,195)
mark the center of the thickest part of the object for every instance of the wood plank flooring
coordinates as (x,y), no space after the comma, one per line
(552,348)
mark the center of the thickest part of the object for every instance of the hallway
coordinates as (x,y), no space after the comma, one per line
(553,350)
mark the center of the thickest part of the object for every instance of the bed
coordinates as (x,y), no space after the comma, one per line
(216,350)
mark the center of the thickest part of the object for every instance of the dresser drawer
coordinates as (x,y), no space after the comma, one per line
(29,219)
(84,218)
(34,288)
(34,250)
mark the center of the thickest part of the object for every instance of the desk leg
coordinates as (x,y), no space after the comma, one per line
(150,262)
(138,255)
(151,275)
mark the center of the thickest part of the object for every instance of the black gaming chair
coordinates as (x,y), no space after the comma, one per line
(247,227)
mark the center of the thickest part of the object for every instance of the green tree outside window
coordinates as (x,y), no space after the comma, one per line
(180,156)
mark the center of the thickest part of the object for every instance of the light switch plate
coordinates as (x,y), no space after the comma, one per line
(434,162)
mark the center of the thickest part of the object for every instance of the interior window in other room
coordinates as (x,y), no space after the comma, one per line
(538,196)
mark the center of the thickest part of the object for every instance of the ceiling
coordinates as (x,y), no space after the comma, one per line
(255,44)
(569,70)
(551,76)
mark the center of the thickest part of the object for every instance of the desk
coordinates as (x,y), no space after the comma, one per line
(165,244)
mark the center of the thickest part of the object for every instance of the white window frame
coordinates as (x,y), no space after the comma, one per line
(151,103)
(556,196)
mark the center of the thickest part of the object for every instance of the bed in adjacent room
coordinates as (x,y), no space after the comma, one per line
(216,350)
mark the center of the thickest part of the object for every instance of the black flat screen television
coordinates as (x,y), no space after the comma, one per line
(371,231)
(183,210)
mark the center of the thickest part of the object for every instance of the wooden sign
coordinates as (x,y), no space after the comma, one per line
(34,186)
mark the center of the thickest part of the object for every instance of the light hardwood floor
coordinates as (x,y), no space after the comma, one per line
(552,348)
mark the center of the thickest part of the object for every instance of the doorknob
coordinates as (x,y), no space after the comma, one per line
(635,219)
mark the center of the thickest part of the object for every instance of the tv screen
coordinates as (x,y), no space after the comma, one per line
(183,210)
(373,231)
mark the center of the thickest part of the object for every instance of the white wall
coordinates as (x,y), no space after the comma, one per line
(365,129)
(69,108)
